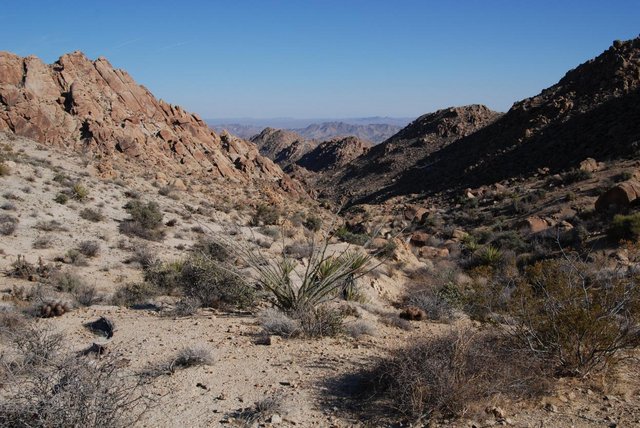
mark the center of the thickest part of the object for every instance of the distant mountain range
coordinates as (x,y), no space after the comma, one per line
(375,129)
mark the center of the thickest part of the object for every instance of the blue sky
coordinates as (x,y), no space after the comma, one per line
(326,59)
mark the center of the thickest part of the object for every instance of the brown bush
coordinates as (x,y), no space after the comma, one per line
(447,375)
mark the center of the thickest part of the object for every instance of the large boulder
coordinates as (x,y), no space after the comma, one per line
(619,197)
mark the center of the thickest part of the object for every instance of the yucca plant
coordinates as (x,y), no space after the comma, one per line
(324,275)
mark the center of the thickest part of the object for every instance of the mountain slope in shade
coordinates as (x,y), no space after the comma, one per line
(374,132)
(282,146)
(333,154)
(90,106)
(385,162)
(593,111)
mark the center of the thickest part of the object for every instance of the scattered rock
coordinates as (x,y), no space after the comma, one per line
(419,239)
(619,197)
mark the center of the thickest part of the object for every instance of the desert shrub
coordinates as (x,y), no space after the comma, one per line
(165,276)
(61,198)
(8,206)
(313,223)
(71,391)
(133,294)
(299,250)
(4,169)
(187,357)
(346,235)
(360,328)
(214,284)
(42,242)
(144,256)
(85,294)
(76,258)
(67,282)
(50,226)
(79,192)
(487,256)
(276,322)
(89,248)
(213,249)
(8,224)
(186,307)
(11,322)
(24,269)
(260,412)
(625,227)
(445,375)
(36,345)
(437,304)
(575,175)
(92,215)
(577,321)
(623,176)
(265,215)
(145,220)
(319,321)
(193,356)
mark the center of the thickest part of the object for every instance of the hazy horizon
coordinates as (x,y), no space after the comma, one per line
(300,60)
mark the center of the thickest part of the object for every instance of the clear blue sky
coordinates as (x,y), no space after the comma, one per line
(345,58)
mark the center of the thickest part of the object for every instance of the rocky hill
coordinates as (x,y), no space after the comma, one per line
(91,107)
(385,162)
(282,146)
(333,154)
(591,112)
(374,132)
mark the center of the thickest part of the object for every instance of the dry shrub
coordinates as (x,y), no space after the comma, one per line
(260,412)
(214,284)
(145,221)
(578,318)
(448,374)
(72,391)
(213,249)
(191,356)
(42,242)
(8,224)
(278,323)
(133,294)
(89,248)
(359,328)
(92,215)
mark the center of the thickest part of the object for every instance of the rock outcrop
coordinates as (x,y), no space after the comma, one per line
(282,146)
(90,106)
(334,154)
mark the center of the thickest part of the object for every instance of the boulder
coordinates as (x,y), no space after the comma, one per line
(619,197)
(590,165)
(419,239)
(534,224)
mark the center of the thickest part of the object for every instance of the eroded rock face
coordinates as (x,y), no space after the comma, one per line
(79,103)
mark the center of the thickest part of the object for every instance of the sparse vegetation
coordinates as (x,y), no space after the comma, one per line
(91,215)
(145,221)
(625,227)
(8,224)
(89,248)
(265,215)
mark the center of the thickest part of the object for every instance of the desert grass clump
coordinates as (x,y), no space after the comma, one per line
(79,192)
(75,257)
(359,328)
(313,223)
(261,412)
(61,198)
(145,221)
(50,226)
(92,215)
(277,323)
(191,356)
(67,282)
(186,306)
(8,224)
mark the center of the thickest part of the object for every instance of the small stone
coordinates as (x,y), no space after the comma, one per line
(551,408)
(275,419)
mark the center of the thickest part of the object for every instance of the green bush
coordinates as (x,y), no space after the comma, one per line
(347,236)
(214,284)
(577,319)
(134,294)
(91,215)
(61,198)
(625,227)
(265,215)
(313,223)
(145,221)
